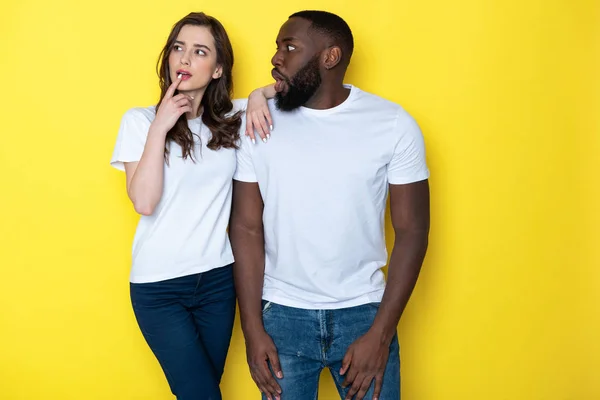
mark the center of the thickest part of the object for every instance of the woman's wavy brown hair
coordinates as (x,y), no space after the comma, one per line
(216,102)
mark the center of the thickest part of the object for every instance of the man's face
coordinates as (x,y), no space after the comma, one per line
(297,65)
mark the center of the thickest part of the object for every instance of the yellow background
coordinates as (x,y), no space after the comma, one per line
(506,91)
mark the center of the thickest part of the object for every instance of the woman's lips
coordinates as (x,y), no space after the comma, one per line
(183,75)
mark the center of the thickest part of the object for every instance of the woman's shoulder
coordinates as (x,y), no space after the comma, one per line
(136,121)
(239,105)
(140,114)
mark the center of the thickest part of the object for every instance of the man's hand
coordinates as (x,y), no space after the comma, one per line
(364,361)
(261,351)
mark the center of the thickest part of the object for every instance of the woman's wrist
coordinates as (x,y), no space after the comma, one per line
(268,92)
(156,130)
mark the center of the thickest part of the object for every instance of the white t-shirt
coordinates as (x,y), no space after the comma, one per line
(323,177)
(187,232)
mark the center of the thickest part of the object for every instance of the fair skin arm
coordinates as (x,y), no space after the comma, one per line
(258,117)
(367,357)
(145,177)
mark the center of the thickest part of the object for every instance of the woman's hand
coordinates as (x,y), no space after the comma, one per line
(258,117)
(171,108)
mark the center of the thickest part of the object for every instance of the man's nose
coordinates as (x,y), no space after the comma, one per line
(277,59)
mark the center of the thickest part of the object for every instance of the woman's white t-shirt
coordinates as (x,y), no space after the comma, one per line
(187,232)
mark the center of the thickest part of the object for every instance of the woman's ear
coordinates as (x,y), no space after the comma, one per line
(218,72)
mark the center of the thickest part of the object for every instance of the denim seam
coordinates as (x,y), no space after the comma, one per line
(196,288)
(323,334)
(329,329)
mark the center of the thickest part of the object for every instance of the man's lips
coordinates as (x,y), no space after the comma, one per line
(276,75)
(280,81)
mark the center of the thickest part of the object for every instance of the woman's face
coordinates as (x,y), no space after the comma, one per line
(194,56)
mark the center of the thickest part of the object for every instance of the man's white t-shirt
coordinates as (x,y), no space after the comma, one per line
(187,232)
(323,177)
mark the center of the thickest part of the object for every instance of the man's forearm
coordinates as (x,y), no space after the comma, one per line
(403,271)
(249,253)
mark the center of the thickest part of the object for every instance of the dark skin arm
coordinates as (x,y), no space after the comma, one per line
(366,358)
(247,241)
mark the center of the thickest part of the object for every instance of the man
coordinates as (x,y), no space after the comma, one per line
(307,225)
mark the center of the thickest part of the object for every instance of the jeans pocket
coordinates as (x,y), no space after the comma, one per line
(266,306)
(376,305)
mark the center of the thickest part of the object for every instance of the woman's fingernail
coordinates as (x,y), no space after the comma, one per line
(271,126)
(264,140)
(268,136)
(253,141)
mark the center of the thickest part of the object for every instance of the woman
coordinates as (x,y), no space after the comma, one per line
(179,159)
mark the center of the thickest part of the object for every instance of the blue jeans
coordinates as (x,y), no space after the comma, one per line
(309,340)
(187,322)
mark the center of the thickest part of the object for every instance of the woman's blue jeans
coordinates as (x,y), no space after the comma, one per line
(187,322)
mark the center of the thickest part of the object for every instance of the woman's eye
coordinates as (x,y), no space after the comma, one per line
(177,48)
(200,52)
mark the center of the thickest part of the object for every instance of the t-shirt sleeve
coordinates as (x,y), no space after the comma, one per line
(239,105)
(408,161)
(131,138)
(244,171)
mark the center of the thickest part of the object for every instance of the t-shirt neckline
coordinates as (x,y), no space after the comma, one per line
(335,109)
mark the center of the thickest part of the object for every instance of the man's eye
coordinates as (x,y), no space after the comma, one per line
(290,47)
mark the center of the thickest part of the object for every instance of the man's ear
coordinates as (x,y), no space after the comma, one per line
(333,56)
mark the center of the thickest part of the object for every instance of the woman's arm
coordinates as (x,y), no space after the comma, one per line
(258,117)
(145,177)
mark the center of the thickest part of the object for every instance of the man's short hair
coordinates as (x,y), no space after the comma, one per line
(332,26)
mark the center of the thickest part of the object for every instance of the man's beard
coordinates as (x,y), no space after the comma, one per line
(301,87)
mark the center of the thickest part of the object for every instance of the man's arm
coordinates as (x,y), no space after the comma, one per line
(409,206)
(367,357)
(247,240)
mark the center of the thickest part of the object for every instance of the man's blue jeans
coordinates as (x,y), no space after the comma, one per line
(309,340)
(187,323)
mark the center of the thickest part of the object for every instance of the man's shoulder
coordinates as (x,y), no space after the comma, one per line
(376,102)
(382,108)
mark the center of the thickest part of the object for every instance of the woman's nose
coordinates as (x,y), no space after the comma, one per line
(185,58)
